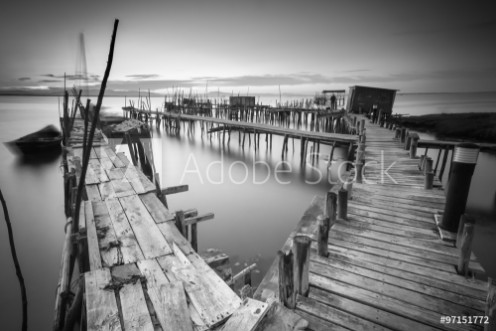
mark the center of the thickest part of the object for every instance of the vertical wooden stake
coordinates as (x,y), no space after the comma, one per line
(466,248)
(342,204)
(323,236)
(359,172)
(302,263)
(287,295)
(180,223)
(194,236)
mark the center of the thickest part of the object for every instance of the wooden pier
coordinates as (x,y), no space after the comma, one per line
(382,264)
(138,260)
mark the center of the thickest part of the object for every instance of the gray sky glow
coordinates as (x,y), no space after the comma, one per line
(304,46)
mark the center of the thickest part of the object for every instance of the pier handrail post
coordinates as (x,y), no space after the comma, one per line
(287,294)
(359,171)
(462,169)
(465,248)
(429,180)
(463,219)
(342,209)
(302,263)
(348,186)
(323,236)
(427,165)
(408,141)
(490,310)
(403,135)
(413,145)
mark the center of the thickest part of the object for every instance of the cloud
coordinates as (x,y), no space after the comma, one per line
(143,76)
(72,77)
(23,79)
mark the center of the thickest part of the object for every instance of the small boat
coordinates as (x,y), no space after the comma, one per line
(45,140)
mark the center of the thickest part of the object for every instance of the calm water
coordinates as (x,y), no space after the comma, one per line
(252,220)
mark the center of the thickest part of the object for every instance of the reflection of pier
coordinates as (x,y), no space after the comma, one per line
(372,257)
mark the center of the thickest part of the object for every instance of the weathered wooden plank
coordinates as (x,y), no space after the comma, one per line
(129,247)
(82,219)
(420,289)
(247,317)
(92,192)
(106,191)
(449,277)
(110,247)
(122,188)
(98,169)
(150,239)
(123,159)
(106,163)
(115,173)
(99,152)
(95,260)
(101,306)
(156,208)
(387,303)
(172,235)
(168,298)
(203,294)
(134,310)
(336,316)
(232,301)
(175,189)
(114,158)
(91,177)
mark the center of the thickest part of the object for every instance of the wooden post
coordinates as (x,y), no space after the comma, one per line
(429,180)
(408,141)
(490,310)
(194,236)
(403,135)
(323,236)
(302,262)
(463,219)
(180,223)
(465,248)
(358,171)
(287,294)
(413,145)
(421,163)
(462,169)
(342,209)
(362,126)
(348,186)
(63,288)
(427,165)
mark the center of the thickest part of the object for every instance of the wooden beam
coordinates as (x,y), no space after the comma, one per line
(196,219)
(175,189)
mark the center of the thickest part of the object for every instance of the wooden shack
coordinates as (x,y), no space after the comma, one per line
(247,101)
(362,99)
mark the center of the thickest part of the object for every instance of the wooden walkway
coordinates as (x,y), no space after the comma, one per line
(143,273)
(387,268)
(322,137)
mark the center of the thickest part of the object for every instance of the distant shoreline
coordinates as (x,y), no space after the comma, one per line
(477,127)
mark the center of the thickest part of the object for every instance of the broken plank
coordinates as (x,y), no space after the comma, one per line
(101,306)
(175,189)
(247,317)
(149,237)
(135,314)
(110,249)
(129,247)
(168,298)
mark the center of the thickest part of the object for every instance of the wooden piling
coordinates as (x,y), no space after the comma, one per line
(408,141)
(180,224)
(358,171)
(342,209)
(413,145)
(403,135)
(302,263)
(323,236)
(465,249)
(428,165)
(287,294)
(429,180)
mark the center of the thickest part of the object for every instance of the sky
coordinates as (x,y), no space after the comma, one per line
(252,46)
